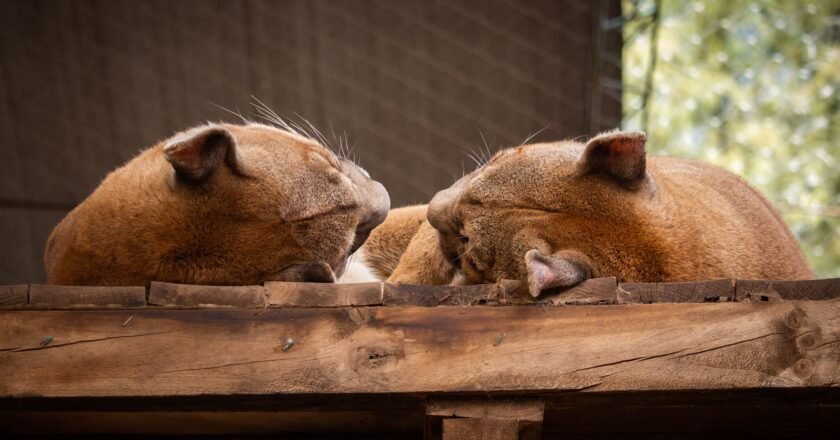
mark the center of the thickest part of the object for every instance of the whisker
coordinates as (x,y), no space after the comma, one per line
(300,126)
(270,116)
(472,245)
(317,132)
(535,134)
(337,139)
(489,154)
(236,113)
(471,154)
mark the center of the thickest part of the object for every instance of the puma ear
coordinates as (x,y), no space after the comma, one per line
(319,272)
(195,154)
(618,154)
(563,269)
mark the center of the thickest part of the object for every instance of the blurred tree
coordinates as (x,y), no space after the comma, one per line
(752,86)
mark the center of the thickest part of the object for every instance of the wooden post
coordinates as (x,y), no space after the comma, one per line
(497,420)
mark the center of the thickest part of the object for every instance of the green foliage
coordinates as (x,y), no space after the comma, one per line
(752,86)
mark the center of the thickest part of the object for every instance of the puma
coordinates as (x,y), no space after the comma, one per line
(555,214)
(220,204)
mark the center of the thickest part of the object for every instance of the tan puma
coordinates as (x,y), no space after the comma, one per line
(554,214)
(220,204)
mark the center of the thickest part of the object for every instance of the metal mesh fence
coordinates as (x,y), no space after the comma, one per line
(84,85)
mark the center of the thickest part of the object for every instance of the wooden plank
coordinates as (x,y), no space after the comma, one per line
(419,349)
(186,295)
(281,294)
(430,296)
(506,292)
(590,292)
(720,290)
(530,411)
(14,295)
(487,419)
(766,290)
(487,429)
(80,296)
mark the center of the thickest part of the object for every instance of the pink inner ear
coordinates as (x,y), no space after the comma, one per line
(622,147)
(186,151)
(541,275)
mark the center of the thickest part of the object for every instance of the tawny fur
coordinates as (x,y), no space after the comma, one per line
(661,220)
(388,241)
(280,202)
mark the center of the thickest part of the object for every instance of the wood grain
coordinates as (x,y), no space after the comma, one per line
(14,295)
(486,429)
(281,294)
(430,296)
(70,296)
(764,290)
(593,291)
(417,349)
(488,419)
(186,295)
(720,290)
(505,292)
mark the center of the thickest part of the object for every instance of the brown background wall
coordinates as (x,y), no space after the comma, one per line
(84,85)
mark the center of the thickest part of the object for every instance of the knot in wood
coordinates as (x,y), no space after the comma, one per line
(807,341)
(795,319)
(804,368)
(378,356)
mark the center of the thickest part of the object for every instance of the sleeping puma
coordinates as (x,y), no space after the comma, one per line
(555,214)
(220,204)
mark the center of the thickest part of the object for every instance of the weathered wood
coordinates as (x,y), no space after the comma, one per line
(764,290)
(14,295)
(505,292)
(186,295)
(720,290)
(282,294)
(416,349)
(487,429)
(430,296)
(590,292)
(494,419)
(73,296)
(529,411)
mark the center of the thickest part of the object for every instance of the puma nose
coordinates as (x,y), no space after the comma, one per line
(440,213)
(376,211)
(373,198)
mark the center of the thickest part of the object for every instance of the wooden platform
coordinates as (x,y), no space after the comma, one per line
(487,361)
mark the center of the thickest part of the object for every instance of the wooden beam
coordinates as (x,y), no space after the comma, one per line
(511,419)
(506,292)
(80,296)
(430,296)
(721,290)
(281,294)
(489,429)
(210,352)
(593,291)
(17,295)
(186,295)
(764,290)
